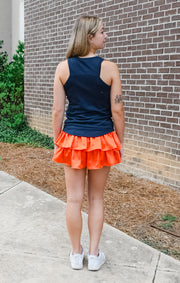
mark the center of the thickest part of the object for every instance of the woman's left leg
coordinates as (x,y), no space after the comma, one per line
(75,186)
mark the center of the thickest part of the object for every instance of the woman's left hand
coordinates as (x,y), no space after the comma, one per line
(55,148)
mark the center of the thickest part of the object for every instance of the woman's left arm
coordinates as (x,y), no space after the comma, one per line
(58,104)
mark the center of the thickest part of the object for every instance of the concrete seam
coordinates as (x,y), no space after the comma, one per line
(11,187)
(153,281)
(33,254)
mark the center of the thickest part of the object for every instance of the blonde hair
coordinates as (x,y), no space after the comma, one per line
(79,44)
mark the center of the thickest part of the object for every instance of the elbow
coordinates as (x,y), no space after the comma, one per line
(117,113)
(57,112)
(118,117)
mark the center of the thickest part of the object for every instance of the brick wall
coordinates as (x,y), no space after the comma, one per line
(144,40)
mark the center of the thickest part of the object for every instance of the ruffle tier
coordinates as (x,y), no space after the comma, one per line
(91,152)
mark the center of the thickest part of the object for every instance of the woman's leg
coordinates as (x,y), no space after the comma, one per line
(75,186)
(96,183)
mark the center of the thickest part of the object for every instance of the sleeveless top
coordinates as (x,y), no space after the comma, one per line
(89,109)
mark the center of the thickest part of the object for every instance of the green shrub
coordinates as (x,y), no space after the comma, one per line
(12,88)
(13,125)
(25,135)
(3,58)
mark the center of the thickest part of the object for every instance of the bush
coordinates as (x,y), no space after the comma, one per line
(12,87)
(3,58)
(13,125)
(24,135)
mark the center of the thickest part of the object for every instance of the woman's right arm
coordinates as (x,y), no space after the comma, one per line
(59,102)
(117,108)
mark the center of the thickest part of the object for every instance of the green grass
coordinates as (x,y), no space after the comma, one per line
(167,226)
(168,217)
(25,135)
(168,221)
(162,249)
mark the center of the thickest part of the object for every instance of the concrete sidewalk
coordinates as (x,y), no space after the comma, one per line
(34,244)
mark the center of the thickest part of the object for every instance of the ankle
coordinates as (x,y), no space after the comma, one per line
(78,250)
(94,252)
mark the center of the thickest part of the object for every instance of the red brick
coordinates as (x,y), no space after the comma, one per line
(176,5)
(170,12)
(172,120)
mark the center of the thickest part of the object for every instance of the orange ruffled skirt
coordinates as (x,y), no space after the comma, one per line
(91,152)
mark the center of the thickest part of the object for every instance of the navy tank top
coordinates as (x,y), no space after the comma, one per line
(89,109)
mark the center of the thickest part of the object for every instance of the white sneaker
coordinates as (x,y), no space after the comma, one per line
(95,262)
(77,260)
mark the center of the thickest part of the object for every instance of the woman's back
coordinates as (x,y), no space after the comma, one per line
(89,110)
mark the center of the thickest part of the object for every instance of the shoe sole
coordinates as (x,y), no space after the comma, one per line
(78,268)
(97,268)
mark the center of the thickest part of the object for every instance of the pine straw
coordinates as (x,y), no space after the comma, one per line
(131,203)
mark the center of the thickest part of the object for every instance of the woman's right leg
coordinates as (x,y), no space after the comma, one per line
(96,184)
(75,186)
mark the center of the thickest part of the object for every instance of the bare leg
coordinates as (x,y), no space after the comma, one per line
(96,183)
(75,186)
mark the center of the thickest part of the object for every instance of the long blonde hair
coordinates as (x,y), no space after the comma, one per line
(79,43)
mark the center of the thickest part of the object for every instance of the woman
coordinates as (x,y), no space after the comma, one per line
(88,143)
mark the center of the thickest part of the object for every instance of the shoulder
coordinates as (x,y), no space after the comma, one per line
(62,71)
(110,66)
(62,66)
(110,69)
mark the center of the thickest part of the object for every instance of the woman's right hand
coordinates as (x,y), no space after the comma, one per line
(121,153)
